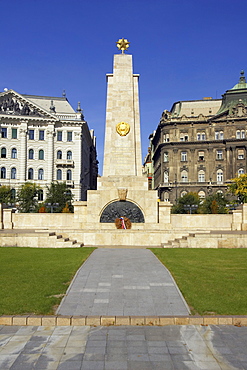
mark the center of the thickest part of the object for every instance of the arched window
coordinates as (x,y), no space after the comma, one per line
(14,153)
(219,177)
(3,153)
(184,176)
(30,174)
(166,177)
(3,173)
(238,134)
(59,174)
(41,154)
(69,155)
(69,175)
(201,176)
(13,173)
(30,154)
(240,171)
(59,154)
(40,195)
(41,174)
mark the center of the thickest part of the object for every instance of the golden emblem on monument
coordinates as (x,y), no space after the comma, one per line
(123,44)
(123,128)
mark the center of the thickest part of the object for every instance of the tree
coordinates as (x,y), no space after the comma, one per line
(5,194)
(238,187)
(188,199)
(58,194)
(27,198)
(215,203)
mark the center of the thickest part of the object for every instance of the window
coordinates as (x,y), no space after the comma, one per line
(242,134)
(14,153)
(201,136)
(219,135)
(201,176)
(69,135)
(240,153)
(3,153)
(201,156)
(166,177)
(219,154)
(166,138)
(59,135)
(13,173)
(240,171)
(166,157)
(219,177)
(183,156)
(30,174)
(4,132)
(31,134)
(69,175)
(14,133)
(238,134)
(40,195)
(41,154)
(59,174)
(3,173)
(41,135)
(41,174)
(184,176)
(30,154)
(59,154)
(69,155)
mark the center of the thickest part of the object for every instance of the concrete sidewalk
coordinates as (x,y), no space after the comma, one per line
(123,282)
(123,348)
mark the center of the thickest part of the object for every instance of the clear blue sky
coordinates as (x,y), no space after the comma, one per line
(182,49)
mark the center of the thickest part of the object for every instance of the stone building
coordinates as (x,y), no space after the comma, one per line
(200,145)
(42,139)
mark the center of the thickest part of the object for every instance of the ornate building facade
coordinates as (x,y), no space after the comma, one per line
(200,145)
(42,139)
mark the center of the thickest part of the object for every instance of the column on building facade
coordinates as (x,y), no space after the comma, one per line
(228,164)
(193,167)
(23,152)
(211,176)
(78,160)
(50,153)
(234,165)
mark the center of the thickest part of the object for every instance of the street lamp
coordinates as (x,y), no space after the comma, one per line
(190,207)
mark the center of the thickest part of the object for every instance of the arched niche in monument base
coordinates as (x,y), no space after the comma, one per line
(119,209)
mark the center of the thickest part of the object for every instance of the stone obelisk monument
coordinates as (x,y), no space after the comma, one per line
(122,152)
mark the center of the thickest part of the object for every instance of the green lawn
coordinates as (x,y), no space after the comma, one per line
(213,281)
(31,278)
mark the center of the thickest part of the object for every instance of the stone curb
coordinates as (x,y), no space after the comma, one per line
(36,320)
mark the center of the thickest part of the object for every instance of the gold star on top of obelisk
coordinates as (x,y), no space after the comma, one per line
(123,44)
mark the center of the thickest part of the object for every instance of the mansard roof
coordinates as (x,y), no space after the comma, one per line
(60,104)
(206,107)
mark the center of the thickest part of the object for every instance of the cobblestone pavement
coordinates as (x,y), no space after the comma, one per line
(123,282)
(123,348)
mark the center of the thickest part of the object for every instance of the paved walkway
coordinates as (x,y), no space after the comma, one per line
(123,348)
(123,282)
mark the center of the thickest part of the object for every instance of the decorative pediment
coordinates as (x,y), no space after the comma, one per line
(14,104)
